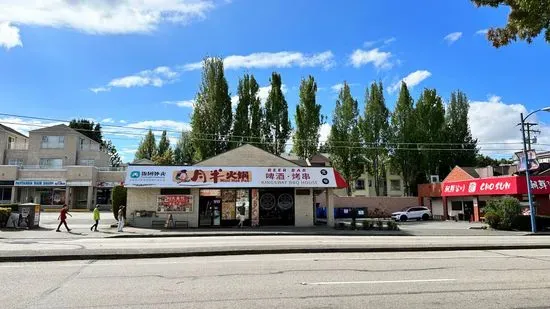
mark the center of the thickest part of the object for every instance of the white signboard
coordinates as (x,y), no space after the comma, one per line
(40,183)
(229,177)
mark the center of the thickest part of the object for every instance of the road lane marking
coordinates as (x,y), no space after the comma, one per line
(376,282)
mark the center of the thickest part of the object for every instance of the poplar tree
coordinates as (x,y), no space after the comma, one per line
(147,147)
(308,120)
(277,126)
(212,115)
(344,143)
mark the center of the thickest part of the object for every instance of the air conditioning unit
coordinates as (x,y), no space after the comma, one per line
(434,178)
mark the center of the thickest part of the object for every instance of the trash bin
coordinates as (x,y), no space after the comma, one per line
(29,215)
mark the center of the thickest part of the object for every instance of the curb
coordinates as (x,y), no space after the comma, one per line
(140,255)
(253,234)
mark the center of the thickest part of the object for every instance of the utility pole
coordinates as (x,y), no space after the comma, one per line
(528,130)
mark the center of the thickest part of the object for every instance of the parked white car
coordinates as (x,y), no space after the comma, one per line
(412,213)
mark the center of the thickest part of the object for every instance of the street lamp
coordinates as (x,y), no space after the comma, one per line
(529,196)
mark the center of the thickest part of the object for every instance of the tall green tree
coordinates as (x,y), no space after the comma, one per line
(430,123)
(248,98)
(308,120)
(403,154)
(458,131)
(164,144)
(212,116)
(166,158)
(257,119)
(374,131)
(183,152)
(114,158)
(147,148)
(526,20)
(277,124)
(344,141)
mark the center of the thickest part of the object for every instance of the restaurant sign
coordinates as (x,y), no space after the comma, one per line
(496,186)
(229,177)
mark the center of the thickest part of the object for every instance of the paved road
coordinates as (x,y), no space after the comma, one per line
(474,279)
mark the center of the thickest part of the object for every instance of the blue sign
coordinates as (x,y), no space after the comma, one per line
(40,183)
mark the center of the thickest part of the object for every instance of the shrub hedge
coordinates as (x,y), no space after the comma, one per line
(119,197)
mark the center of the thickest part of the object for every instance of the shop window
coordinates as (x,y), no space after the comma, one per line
(51,163)
(51,196)
(53,142)
(395,185)
(103,196)
(360,184)
(5,194)
(456,206)
(176,191)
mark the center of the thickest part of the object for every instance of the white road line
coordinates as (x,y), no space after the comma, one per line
(377,282)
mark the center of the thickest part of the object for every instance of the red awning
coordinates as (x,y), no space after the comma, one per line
(340,181)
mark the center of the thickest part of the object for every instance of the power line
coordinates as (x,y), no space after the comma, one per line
(362,144)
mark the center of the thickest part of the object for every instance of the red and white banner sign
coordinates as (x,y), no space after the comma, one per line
(496,186)
(232,177)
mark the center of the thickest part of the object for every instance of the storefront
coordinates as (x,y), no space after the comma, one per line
(212,196)
(103,192)
(6,191)
(466,199)
(43,192)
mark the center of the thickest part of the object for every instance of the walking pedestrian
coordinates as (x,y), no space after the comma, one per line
(121,218)
(63,217)
(96,218)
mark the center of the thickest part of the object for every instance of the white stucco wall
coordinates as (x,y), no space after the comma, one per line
(303,210)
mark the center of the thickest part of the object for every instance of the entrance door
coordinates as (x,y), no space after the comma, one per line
(210,211)
(468,210)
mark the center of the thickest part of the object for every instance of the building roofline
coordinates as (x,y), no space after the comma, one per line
(11,130)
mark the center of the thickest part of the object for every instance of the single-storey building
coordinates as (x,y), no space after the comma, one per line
(464,193)
(266,189)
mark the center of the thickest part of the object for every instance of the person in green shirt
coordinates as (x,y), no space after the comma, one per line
(96,218)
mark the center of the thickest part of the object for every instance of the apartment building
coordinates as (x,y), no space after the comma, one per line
(364,185)
(54,166)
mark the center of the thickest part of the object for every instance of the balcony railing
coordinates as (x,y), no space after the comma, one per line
(18,146)
(41,167)
(112,169)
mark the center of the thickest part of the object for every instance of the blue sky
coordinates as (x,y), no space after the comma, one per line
(131,63)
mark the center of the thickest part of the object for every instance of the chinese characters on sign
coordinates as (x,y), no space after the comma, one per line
(229,177)
(175,203)
(212,176)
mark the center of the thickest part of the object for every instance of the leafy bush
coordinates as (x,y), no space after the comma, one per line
(523,223)
(501,213)
(378,213)
(367,225)
(5,213)
(119,198)
(392,225)
(379,224)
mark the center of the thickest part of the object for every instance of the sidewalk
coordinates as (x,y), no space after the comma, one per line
(117,248)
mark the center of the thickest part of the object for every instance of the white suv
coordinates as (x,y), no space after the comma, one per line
(415,213)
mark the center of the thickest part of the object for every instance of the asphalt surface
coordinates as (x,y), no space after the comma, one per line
(455,279)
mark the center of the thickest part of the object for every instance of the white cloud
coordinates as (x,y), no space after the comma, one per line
(103,16)
(493,121)
(324,133)
(337,87)
(265,60)
(184,103)
(122,121)
(413,79)
(156,77)
(9,36)
(380,59)
(159,125)
(482,31)
(452,37)
(108,120)
(24,125)
(387,41)
(234,101)
(100,89)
